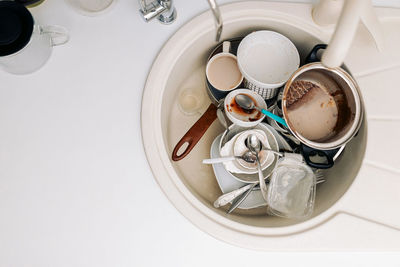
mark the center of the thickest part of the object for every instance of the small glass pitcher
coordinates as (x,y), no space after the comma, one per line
(24,46)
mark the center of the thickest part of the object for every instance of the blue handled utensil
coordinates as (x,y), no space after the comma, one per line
(247,103)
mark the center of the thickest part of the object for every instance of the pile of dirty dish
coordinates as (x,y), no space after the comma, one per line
(284,123)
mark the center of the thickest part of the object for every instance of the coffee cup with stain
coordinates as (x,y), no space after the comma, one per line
(222,72)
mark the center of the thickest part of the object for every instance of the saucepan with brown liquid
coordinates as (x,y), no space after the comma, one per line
(322,107)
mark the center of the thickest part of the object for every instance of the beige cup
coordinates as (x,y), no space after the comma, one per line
(222,72)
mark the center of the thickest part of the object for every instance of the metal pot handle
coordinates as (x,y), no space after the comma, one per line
(312,56)
(194,134)
(308,152)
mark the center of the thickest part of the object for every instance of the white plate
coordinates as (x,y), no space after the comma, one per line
(251,177)
(282,143)
(232,147)
(266,157)
(227,183)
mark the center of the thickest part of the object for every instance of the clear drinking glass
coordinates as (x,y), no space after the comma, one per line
(36,53)
(191,100)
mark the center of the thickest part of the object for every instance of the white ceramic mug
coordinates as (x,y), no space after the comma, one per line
(267,59)
(223,76)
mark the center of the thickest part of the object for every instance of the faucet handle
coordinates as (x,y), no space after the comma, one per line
(218,19)
(161,9)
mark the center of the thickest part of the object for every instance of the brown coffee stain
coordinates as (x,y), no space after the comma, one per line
(345,115)
(251,114)
(336,110)
(311,110)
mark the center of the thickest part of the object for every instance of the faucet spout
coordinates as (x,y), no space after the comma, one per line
(165,12)
(218,19)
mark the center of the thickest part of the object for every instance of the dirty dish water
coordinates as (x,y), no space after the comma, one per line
(312,111)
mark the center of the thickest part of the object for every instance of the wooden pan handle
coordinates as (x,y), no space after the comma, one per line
(195,133)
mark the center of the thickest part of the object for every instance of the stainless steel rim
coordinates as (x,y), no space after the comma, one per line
(358,104)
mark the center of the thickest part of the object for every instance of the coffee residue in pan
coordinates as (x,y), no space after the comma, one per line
(312,110)
(345,115)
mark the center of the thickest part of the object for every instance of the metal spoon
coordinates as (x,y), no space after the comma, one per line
(240,199)
(248,157)
(245,102)
(280,154)
(228,197)
(254,145)
(222,119)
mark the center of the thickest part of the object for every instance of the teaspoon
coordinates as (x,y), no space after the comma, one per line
(247,103)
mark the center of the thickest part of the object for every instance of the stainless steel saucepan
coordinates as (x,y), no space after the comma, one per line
(345,96)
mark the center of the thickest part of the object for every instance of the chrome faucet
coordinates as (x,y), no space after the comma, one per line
(218,19)
(164,10)
(166,13)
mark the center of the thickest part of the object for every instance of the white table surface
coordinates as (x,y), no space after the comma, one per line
(75,185)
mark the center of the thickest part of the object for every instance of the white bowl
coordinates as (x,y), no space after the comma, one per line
(273,143)
(228,183)
(236,146)
(267,59)
(239,148)
(236,114)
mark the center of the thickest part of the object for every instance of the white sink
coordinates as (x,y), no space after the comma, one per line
(191,186)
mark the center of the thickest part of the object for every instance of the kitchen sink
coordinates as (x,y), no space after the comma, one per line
(190,185)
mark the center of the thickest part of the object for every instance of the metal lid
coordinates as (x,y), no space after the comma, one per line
(16,27)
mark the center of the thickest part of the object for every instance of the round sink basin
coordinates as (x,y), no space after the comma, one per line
(190,185)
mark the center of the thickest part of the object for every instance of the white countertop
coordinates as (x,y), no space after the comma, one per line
(75,185)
